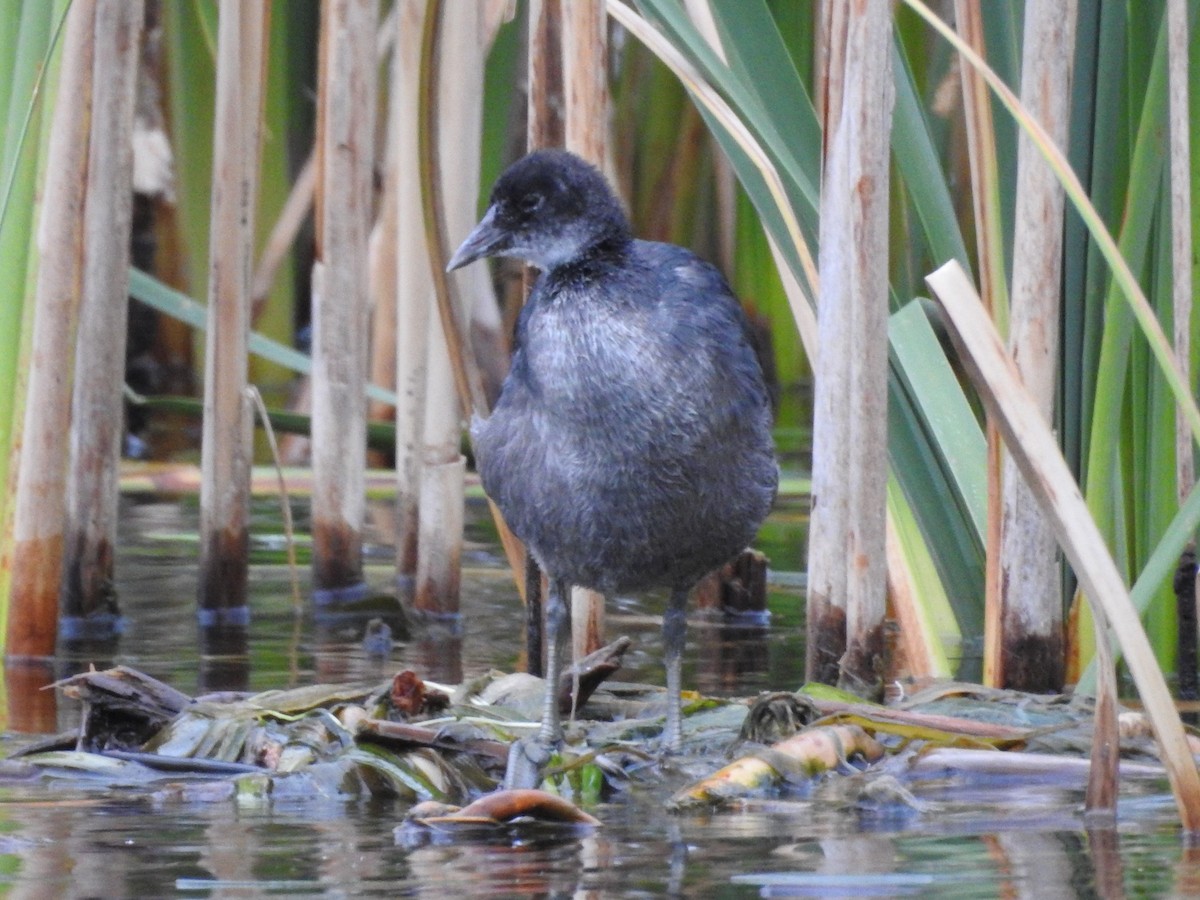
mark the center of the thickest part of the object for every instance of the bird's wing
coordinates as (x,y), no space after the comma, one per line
(699,312)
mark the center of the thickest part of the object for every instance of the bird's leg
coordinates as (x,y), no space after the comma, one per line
(674,632)
(528,756)
(558,627)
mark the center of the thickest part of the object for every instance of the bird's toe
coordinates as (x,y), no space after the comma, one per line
(527,759)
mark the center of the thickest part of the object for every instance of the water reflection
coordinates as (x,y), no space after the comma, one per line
(72,838)
(1104,848)
(537,868)
(731,656)
(72,842)
(224,659)
(30,708)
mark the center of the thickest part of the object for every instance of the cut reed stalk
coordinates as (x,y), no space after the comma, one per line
(439,542)
(33,28)
(1101,795)
(226,447)
(38,506)
(585,79)
(451,147)
(468,384)
(89,605)
(346,157)
(981,147)
(584,47)
(1031,653)
(847,547)
(545,126)
(413,283)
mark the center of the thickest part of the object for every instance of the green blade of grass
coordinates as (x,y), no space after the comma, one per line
(166,300)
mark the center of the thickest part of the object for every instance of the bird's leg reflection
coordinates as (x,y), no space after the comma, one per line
(674,631)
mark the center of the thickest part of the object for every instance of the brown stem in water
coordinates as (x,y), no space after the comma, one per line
(467,382)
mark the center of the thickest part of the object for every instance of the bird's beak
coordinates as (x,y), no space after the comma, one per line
(484,240)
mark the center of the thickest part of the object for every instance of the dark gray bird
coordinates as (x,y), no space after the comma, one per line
(631,444)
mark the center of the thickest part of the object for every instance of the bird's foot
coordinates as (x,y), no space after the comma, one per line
(669,756)
(527,759)
(671,742)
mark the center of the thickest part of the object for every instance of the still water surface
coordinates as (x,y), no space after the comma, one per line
(72,839)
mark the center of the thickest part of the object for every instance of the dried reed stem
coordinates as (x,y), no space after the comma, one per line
(97,415)
(847,546)
(584,47)
(346,156)
(226,450)
(981,145)
(413,283)
(38,507)
(1029,438)
(1031,640)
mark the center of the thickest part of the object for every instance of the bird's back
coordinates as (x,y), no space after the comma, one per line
(631,444)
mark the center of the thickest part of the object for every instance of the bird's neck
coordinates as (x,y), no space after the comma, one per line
(607,250)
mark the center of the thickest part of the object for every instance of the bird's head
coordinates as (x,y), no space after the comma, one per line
(547,208)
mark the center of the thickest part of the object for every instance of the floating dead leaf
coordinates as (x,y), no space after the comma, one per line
(503,808)
(809,753)
(411,697)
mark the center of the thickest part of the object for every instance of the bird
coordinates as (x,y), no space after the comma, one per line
(630,447)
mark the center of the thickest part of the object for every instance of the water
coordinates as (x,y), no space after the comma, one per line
(170,839)
(139,843)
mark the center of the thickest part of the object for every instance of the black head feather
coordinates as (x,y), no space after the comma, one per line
(548,208)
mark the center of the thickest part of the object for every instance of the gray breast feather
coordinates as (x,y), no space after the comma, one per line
(631,446)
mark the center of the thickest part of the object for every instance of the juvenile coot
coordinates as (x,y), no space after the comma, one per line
(631,444)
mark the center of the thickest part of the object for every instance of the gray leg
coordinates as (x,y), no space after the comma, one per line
(528,756)
(558,628)
(674,634)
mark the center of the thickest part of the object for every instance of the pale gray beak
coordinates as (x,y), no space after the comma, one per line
(484,240)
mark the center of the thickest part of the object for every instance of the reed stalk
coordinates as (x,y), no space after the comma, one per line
(847,545)
(981,151)
(439,523)
(1031,651)
(30,31)
(545,126)
(545,117)
(89,604)
(1028,436)
(381,280)
(439,509)
(413,283)
(33,64)
(346,156)
(226,449)
(585,79)
(38,504)
(453,381)
(584,66)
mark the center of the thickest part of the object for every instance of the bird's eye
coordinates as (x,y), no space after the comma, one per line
(530,203)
